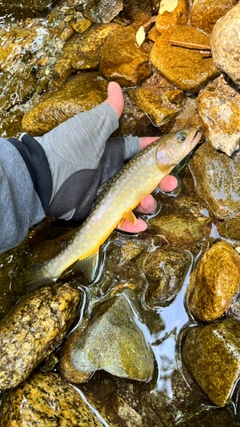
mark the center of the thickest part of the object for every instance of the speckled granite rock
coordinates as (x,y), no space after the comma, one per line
(214,282)
(225,43)
(217,180)
(31,331)
(185,68)
(212,355)
(222,119)
(46,400)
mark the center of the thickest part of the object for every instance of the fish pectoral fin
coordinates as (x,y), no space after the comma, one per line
(129,216)
(88,266)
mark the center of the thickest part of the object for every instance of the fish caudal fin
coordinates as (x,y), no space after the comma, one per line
(88,266)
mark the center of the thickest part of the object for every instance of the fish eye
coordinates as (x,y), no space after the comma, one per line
(181,137)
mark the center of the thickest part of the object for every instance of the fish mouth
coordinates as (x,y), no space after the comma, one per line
(197,135)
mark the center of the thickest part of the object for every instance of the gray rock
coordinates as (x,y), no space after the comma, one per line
(225,43)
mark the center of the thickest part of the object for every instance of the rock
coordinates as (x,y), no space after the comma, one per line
(45,399)
(81,93)
(25,7)
(161,107)
(222,119)
(101,11)
(16,87)
(82,51)
(183,67)
(167,16)
(230,228)
(216,178)
(214,282)
(123,60)
(225,43)
(205,13)
(110,340)
(31,331)
(165,269)
(179,229)
(212,355)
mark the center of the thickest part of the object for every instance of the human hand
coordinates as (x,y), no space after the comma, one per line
(148,204)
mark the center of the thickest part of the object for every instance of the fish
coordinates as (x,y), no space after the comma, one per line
(120,196)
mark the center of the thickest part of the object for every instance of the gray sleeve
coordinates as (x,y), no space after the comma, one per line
(20,206)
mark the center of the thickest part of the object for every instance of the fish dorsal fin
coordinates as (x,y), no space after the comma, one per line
(129,216)
(88,266)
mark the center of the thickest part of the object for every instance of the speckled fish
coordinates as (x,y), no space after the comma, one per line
(120,196)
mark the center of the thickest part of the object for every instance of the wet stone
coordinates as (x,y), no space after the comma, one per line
(31,331)
(184,68)
(16,87)
(46,400)
(230,228)
(165,269)
(123,60)
(212,355)
(214,282)
(110,340)
(205,13)
(225,43)
(79,94)
(167,16)
(222,119)
(25,7)
(82,51)
(101,11)
(160,108)
(216,178)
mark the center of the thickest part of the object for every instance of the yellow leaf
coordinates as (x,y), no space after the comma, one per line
(140,36)
(167,6)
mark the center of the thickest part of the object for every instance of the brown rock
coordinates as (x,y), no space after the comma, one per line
(46,400)
(33,329)
(216,178)
(185,68)
(214,282)
(222,119)
(225,43)
(167,18)
(205,13)
(25,7)
(81,93)
(123,60)
(212,355)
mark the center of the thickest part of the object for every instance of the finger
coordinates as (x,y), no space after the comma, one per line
(147,205)
(168,183)
(129,227)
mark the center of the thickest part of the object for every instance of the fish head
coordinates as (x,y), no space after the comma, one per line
(174,147)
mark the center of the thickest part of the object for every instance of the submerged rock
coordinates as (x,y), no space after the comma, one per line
(101,10)
(216,178)
(185,68)
(25,7)
(225,43)
(214,282)
(123,60)
(33,329)
(166,269)
(212,355)
(81,93)
(46,400)
(110,339)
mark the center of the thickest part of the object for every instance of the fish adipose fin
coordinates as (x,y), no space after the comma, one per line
(130,217)
(88,266)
